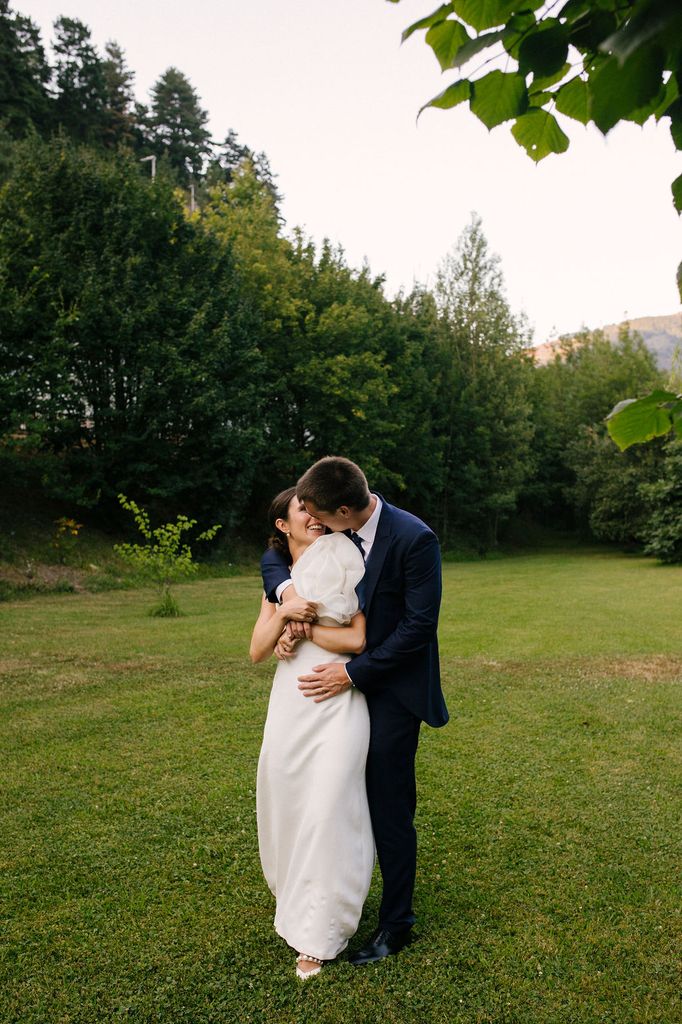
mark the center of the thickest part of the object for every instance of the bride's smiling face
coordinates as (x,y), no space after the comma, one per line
(299,524)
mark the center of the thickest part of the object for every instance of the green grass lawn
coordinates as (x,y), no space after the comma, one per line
(550,810)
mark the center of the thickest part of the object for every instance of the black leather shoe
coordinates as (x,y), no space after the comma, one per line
(382,944)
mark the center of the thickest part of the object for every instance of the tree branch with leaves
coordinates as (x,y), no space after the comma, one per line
(599,61)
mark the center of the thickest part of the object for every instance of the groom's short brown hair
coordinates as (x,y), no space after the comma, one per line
(334,481)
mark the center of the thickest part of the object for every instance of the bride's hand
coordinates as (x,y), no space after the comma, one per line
(282,652)
(300,610)
(299,630)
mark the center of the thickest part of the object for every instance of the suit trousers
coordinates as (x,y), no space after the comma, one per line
(392,797)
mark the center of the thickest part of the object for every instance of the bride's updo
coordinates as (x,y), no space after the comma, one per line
(279,509)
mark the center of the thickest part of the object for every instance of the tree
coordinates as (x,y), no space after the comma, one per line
(662,532)
(606,489)
(126,351)
(24,75)
(177,125)
(484,405)
(118,79)
(231,156)
(586,376)
(348,370)
(81,100)
(162,559)
(416,460)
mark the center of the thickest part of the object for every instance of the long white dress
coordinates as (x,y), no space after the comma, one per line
(314,831)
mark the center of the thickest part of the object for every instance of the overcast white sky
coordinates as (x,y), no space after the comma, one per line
(324,87)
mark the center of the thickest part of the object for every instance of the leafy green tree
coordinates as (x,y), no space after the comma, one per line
(606,490)
(162,558)
(24,75)
(177,125)
(126,349)
(320,334)
(81,88)
(349,371)
(485,412)
(662,532)
(417,368)
(587,375)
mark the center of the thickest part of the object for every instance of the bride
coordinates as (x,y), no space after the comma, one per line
(314,832)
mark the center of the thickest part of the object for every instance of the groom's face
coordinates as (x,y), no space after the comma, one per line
(337,520)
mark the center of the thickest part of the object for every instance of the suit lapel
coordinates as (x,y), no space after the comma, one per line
(377,556)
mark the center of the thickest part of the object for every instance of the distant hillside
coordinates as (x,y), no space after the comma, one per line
(661,335)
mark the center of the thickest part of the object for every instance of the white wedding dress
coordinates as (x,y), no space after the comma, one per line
(314,831)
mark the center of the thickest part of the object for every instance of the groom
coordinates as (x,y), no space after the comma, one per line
(398,671)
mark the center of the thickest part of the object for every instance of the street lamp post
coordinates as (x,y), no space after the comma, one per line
(144,159)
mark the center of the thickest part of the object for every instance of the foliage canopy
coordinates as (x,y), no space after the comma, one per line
(598,61)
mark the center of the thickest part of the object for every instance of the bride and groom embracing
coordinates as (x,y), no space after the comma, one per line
(352,593)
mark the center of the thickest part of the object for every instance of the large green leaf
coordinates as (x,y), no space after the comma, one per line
(677,193)
(571,10)
(672,93)
(636,420)
(474,46)
(498,97)
(616,90)
(542,82)
(445,39)
(456,93)
(590,28)
(642,114)
(539,134)
(431,19)
(674,111)
(543,51)
(482,14)
(572,100)
(515,31)
(651,20)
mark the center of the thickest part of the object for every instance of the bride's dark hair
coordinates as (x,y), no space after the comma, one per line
(279,509)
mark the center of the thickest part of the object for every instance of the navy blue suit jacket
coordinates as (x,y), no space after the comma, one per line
(402,592)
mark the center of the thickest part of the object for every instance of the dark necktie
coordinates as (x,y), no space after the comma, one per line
(360,589)
(357,540)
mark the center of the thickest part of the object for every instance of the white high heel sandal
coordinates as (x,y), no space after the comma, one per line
(308,974)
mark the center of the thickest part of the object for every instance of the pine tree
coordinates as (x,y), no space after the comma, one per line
(229,159)
(177,125)
(24,75)
(120,122)
(81,103)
